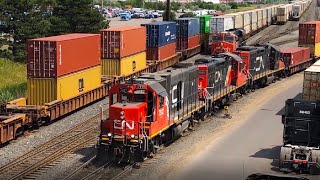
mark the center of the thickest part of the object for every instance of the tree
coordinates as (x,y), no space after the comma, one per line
(22,20)
(79,16)
(188,14)
(172,16)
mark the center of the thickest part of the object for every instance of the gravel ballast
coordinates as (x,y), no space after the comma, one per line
(26,143)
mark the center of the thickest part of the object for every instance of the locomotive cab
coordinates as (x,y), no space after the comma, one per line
(224,42)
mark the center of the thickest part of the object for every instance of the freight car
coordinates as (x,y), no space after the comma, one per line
(154,108)
(284,13)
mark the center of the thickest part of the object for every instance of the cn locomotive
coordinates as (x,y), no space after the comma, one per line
(154,108)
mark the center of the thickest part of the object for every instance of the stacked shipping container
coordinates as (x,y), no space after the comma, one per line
(309,36)
(123,50)
(311,82)
(188,30)
(161,40)
(204,21)
(62,67)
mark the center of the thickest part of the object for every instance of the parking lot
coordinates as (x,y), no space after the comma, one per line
(116,22)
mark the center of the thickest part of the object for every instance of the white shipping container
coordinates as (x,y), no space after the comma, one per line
(246,18)
(311,82)
(259,18)
(238,19)
(269,15)
(254,16)
(221,23)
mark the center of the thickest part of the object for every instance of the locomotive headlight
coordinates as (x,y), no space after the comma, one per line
(132,136)
(109,134)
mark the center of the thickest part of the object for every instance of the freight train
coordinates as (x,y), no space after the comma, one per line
(154,108)
(57,86)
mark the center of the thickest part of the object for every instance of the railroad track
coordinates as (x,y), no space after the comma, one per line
(286,41)
(33,163)
(93,171)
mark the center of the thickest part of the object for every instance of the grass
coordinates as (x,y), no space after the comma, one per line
(13,80)
(240,9)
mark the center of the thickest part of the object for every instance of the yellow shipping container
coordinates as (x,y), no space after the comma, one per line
(125,66)
(314,48)
(45,90)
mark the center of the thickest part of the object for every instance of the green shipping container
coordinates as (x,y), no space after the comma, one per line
(204,23)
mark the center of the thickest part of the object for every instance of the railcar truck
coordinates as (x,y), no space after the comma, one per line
(301,137)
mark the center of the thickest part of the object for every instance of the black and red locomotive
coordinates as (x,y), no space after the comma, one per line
(154,108)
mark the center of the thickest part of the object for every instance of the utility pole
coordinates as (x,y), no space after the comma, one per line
(167,11)
(101,3)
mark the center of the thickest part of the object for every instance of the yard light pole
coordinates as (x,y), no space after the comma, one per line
(167,15)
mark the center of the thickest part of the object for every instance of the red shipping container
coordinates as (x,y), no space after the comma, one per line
(187,43)
(309,32)
(56,56)
(161,53)
(294,56)
(121,42)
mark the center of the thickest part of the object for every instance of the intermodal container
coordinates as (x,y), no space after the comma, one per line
(162,53)
(311,83)
(45,90)
(160,33)
(57,56)
(187,43)
(122,42)
(187,27)
(124,66)
(294,56)
(221,23)
(238,19)
(309,32)
(205,23)
(314,48)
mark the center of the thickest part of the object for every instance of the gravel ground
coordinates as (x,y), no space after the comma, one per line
(25,144)
(178,154)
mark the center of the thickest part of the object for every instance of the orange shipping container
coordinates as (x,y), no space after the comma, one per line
(161,53)
(187,43)
(56,56)
(309,32)
(122,42)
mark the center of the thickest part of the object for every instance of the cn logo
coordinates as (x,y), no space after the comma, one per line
(120,124)
(259,62)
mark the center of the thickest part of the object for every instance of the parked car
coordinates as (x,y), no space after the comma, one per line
(148,16)
(125,16)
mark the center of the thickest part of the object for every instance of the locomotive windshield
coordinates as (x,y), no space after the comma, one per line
(217,38)
(229,39)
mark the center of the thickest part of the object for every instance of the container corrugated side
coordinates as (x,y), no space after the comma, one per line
(122,42)
(311,83)
(162,53)
(314,48)
(45,90)
(238,19)
(160,33)
(205,23)
(187,27)
(221,23)
(187,43)
(259,18)
(269,15)
(124,66)
(309,32)
(53,57)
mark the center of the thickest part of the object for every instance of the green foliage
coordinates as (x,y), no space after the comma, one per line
(71,16)
(233,5)
(172,16)
(155,6)
(15,86)
(188,14)
(22,19)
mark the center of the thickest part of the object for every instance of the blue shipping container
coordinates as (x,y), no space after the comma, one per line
(160,33)
(187,27)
